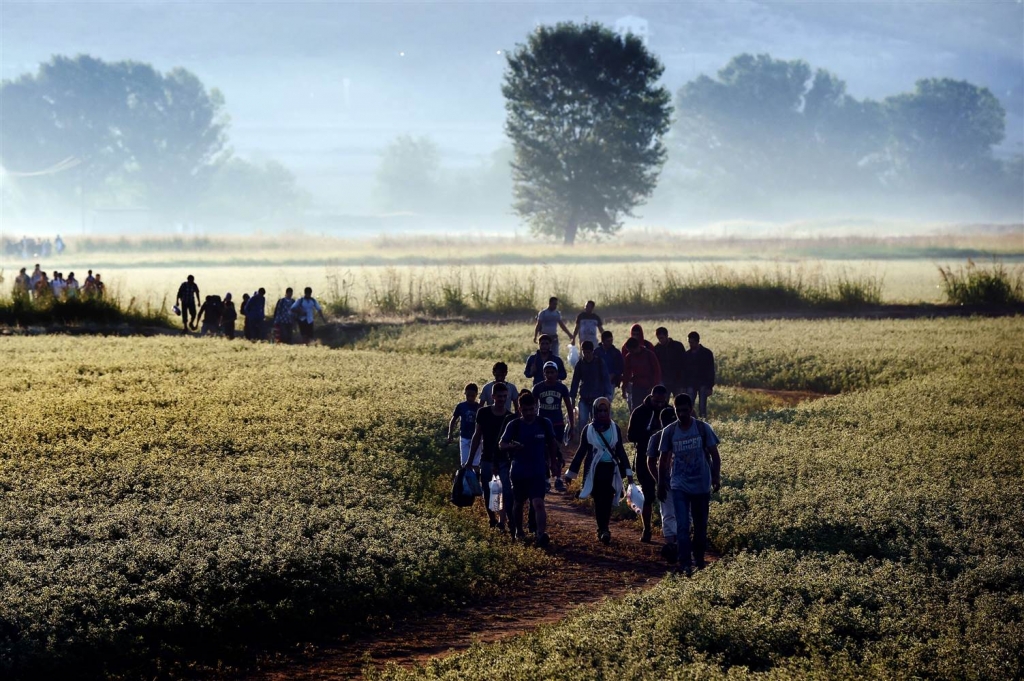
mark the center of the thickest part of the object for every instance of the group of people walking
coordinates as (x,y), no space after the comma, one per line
(519,436)
(218,316)
(38,287)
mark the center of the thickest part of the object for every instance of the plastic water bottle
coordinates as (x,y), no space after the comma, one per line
(496,500)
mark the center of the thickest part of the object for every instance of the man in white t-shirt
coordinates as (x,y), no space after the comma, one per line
(548,321)
(304,310)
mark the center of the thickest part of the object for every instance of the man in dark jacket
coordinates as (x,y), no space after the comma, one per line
(535,365)
(644,422)
(700,373)
(255,312)
(672,358)
(589,381)
(640,372)
(612,358)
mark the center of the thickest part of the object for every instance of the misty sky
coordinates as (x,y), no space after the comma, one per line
(323,86)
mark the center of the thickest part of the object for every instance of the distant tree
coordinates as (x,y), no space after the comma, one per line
(586,119)
(765,125)
(247,191)
(943,133)
(409,175)
(125,127)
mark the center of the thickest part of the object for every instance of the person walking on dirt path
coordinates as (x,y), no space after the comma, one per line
(465,414)
(672,358)
(535,365)
(228,317)
(612,359)
(500,373)
(601,446)
(637,331)
(550,395)
(22,284)
(284,324)
(640,373)
(530,442)
(37,274)
(71,286)
(491,421)
(700,373)
(644,423)
(588,325)
(304,309)
(689,468)
(209,316)
(670,549)
(548,321)
(255,314)
(187,299)
(589,381)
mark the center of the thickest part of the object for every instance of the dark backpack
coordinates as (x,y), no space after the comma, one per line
(459,496)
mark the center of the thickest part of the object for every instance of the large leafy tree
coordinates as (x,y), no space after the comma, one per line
(768,125)
(122,128)
(586,118)
(942,133)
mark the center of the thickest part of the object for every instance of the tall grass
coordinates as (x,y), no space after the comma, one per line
(980,285)
(20,310)
(505,290)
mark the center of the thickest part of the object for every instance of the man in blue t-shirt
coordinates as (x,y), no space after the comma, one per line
(530,442)
(465,413)
(691,467)
(551,394)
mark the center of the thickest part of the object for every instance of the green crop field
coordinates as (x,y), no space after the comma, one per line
(170,505)
(870,534)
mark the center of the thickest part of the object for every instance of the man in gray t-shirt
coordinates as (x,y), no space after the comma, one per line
(548,321)
(689,469)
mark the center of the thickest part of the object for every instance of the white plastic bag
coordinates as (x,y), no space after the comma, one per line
(635,498)
(574,355)
(495,504)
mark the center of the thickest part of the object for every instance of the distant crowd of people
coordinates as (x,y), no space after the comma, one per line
(218,316)
(29,247)
(38,287)
(519,436)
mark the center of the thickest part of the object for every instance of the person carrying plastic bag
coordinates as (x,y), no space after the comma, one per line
(601,440)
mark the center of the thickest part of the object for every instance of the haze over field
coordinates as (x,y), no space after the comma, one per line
(334,91)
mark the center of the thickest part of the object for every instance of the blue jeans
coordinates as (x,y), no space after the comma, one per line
(586,409)
(487,471)
(695,507)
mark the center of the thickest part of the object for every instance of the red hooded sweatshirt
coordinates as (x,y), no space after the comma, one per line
(641,368)
(646,343)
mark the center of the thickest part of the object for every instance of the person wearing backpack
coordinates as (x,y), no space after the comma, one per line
(645,423)
(304,309)
(601,443)
(689,468)
(670,549)
(210,316)
(530,442)
(491,421)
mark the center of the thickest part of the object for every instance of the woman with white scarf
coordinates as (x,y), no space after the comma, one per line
(601,443)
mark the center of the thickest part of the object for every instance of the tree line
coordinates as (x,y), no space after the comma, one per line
(591,135)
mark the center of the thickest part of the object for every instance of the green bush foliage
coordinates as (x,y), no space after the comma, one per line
(873,534)
(972,284)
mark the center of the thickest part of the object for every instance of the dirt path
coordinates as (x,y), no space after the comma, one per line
(584,572)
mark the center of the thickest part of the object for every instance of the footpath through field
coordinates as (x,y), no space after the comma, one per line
(583,572)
